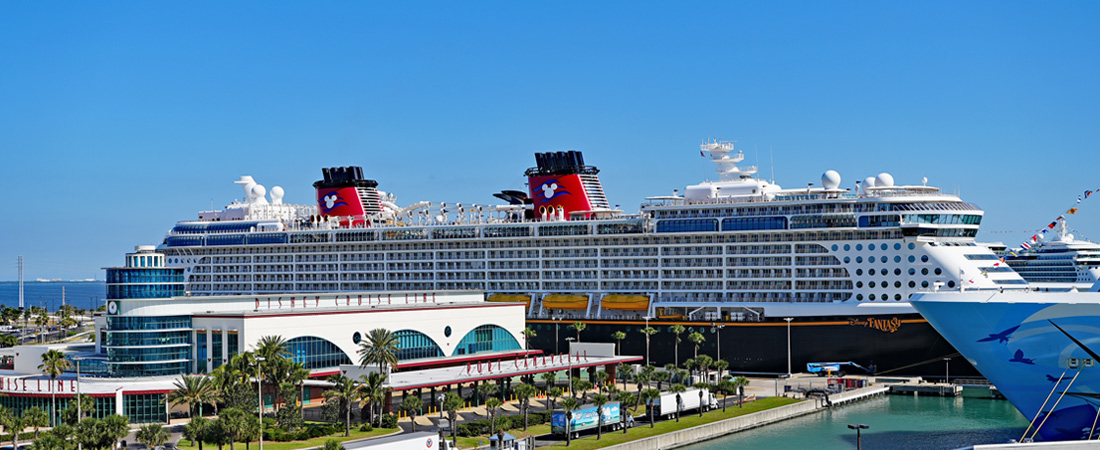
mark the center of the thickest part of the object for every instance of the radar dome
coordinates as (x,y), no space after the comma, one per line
(830,179)
(869,182)
(277,195)
(884,180)
(258,191)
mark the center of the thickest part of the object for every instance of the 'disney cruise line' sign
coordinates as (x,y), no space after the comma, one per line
(884,325)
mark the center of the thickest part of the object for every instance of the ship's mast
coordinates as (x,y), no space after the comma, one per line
(720,154)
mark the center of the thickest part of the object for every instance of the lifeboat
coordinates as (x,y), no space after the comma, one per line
(510,298)
(564,301)
(621,302)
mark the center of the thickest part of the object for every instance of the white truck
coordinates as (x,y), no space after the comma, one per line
(666,404)
(422,440)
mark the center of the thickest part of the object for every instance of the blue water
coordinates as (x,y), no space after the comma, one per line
(896,422)
(82,294)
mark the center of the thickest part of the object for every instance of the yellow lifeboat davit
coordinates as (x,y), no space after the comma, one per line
(511,298)
(622,302)
(563,301)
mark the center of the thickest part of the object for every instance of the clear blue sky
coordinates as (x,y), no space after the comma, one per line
(119,118)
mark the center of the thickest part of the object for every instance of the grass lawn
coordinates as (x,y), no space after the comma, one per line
(316,442)
(641,430)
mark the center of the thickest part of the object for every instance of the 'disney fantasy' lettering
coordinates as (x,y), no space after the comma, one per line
(885,325)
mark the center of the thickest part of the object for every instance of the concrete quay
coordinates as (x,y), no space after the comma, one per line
(717,429)
(927,389)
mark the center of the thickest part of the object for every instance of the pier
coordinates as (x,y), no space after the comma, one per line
(927,389)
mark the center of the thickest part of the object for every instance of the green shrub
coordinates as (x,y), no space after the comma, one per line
(389,421)
(366,428)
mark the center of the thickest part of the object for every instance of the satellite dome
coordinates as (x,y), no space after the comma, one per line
(258,191)
(869,182)
(830,179)
(277,195)
(884,180)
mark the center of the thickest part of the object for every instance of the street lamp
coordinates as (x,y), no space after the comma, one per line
(718,327)
(647,339)
(77,359)
(789,319)
(857,428)
(557,324)
(947,370)
(260,395)
(569,374)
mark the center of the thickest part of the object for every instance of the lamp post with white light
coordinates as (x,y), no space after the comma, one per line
(557,322)
(569,374)
(947,370)
(260,395)
(79,412)
(788,319)
(858,438)
(647,339)
(717,327)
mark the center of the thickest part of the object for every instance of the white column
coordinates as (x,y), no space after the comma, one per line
(209,350)
(194,350)
(225,346)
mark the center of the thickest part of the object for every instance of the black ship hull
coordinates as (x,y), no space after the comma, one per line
(891,345)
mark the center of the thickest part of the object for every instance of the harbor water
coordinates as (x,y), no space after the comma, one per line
(895,422)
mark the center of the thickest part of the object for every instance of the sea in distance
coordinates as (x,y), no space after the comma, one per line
(83,294)
(898,422)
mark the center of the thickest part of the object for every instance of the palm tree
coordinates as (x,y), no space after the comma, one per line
(486,390)
(678,389)
(647,331)
(618,336)
(721,365)
(53,365)
(232,423)
(35,417)
(152,435)
(701,387)
(648,371)
(298,375)
(371,391)
(725,387)
(195,430)
(553,394)
(524,392)
(7,340)
(528,333)
(15,425)
(599,400)
(568,405)
(549,378)
(697,338)
(115,427)
(411,405)
(379,347)
(625,399)
(343,391)
(579,326)
(738,383)
(194,391)
(491,407)
(649,396)
(41,321)
(451,403)
(601,377)
(677,330)
(703,363)
(272,348)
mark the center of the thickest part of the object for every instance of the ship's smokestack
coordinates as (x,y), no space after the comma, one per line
(344,193)
(561,182)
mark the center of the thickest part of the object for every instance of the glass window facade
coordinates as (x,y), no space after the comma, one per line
(686,225)
(125,282)
(148,346)
(104,406)
(316,353)
(145,408)
(754,223)
(415,345)
(486,338)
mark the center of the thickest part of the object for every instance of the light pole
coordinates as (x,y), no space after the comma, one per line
(77,359)
(260,395)
(557,322)
(569,374)
(647,339)
(857,428)
(718,327)
(947,370)
(789,319)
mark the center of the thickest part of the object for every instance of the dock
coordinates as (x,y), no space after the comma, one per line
(927,389)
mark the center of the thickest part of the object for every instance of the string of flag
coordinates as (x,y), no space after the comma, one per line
(1026,245)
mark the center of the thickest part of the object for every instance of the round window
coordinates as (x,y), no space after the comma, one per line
(883,259)
(847,247)
(897,259)
(871,284)
(923,258)
(924,271)
(355,338)
(859,272)
(859,259)
(924,284)
(872,296)
(859,246)
(897,246)
(835,247)
(859,284)
(897,297)
(938,271)
(912,246)
(950,284)
(912,271)
(897,284)
(447,331)
(912,259)
(859,297)
(897,272)
(912,284)
(884,271)
(847,260)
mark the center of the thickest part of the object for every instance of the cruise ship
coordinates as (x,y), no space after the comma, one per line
(779,276)
(1038,348)
(1060,262)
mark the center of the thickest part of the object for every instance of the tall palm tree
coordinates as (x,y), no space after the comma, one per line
(677,330)
(152,435)
(697,338)
(704,363)
(195,430)
(701,386)
(379,347)
(721,365)
(601,377)
(370,392)
(678,389)
(579,326)
(344,390)
(41,321)
(553,394)
(549,378)
(272,348)
(53,365)
(528,333)
(36,418)
(491,406)
(599,400)
(626,399)
(647,331)
(568,405)
(298,376)
(618,336)
(738,383)
(115,427)
(524,392)
(194,391)
(451,403)
(411,405)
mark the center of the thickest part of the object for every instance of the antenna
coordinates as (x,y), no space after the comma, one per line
(20,281)
(772,153)
(754,150)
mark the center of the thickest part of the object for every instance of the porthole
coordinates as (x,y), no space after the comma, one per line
(859,272)
(447,331)
(835,247)
(847,247)
(871,260)
(884,271)
(950,284)
(924,284)
(912,284)
(883,259)
(859,297)
(859,246)
(859,284)
(871,297)
(912,271)
(938,271)
(924,271)
(847,260)
(897,284)
(923,258)
(355,338)
(912,259)
(897,246)
(897,259)
(859,259)
(871,284)
(897,297)
(912,246)
(885,296)
(897,272)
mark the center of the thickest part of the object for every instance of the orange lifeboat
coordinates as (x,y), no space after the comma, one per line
(510,298)
(620,302)
(564,301)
